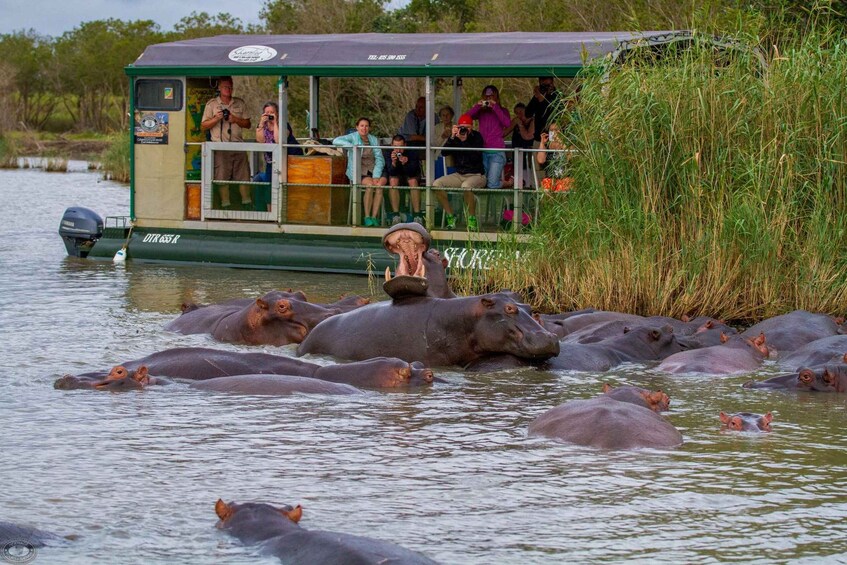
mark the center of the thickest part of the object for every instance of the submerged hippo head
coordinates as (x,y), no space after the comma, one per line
(747,422)
(756,344)
(378,372)
(656,400)
(504,326)
(255,513)
(409,241)
(278,318)
(831,377)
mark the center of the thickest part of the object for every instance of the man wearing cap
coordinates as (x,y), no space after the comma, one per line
(470,172)
(222,118)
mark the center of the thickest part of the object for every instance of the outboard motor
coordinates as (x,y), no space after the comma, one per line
(80,229)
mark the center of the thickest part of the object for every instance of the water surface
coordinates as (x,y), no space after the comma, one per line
(448,472)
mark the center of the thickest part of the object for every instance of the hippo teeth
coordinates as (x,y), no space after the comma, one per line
(387,274)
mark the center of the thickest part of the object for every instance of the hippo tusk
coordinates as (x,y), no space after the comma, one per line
(388,273)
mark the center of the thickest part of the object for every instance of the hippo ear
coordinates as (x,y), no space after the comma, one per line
(294,514)
(844,358)
(724,418)
(685,318)
(141,375)
(709,325)
(261,304)
(487,302)
(724,338)
(759,341)
(828,377)
(223,510)
(607,388)
(767,418)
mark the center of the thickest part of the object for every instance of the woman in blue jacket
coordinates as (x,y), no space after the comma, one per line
(370,168)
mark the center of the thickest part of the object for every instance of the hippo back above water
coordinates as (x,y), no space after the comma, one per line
(434,331)
(277,318)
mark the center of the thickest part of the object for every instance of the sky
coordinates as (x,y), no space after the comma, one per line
(54,17)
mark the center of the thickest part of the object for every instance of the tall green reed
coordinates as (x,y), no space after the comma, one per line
(703,184)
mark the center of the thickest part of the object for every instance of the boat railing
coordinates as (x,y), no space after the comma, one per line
(317,191)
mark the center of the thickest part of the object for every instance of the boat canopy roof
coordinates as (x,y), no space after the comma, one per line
(509,54)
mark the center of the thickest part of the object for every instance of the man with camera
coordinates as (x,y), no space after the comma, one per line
(222,118)
(469,170)
(541,105)
(403,169)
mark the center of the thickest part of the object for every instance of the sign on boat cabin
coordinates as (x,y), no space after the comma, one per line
(306,214)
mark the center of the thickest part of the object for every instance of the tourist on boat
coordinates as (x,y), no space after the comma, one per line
(493,119)
(371,165)
(268,132)
(445,116)
(414,125)
(224,119)
(552,166)
(541,105)
(469,171)
(522,130)
(403,169)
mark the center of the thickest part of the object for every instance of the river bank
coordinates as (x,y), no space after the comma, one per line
(82,147)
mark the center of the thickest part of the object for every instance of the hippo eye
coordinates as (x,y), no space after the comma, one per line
(511,309)
(806,378)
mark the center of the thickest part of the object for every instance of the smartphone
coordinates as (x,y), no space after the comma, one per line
(551,136)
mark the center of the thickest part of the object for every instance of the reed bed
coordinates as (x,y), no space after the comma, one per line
(54,165)
(704,184)
(115,161)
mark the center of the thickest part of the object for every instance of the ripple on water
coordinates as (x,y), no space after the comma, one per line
(449,471)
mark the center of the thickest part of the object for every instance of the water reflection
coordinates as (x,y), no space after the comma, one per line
(448,471)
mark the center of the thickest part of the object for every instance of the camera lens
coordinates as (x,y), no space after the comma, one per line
(226,113)
(463,130)
(271,117)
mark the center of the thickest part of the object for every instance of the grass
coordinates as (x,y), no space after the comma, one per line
(115,160)
(702,186)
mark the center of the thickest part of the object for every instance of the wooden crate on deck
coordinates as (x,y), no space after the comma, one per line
(316,204)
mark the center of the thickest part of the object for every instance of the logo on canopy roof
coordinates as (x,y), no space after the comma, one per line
(252,54)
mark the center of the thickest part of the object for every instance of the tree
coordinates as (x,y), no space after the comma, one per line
(204,25)
(27,56)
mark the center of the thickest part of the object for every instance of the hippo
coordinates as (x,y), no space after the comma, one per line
(277,318)
(555,323)
(567,323)
(829,377)
(746,422)
(273,385)
(792,331)
(278,531)
(657,401)
(25,538)
(737,355)
(421,271)
(435,331)
(201,363)
(644,343)
(824,350)
(606,423)
(119,379)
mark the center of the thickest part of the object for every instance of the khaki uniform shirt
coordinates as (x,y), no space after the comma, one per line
(223,130)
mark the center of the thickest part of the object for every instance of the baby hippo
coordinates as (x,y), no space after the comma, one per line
(657,401)
(746,422)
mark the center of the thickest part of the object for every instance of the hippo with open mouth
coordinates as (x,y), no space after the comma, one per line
(420,270)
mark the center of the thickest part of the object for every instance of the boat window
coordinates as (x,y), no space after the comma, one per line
(158,94)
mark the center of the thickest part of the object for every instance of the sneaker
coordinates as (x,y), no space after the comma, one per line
(473,225)
(369,222)
(450,222)
(396,219)
(418,220)
(225,204)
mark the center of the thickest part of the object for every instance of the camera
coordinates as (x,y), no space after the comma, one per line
(464,130)
(226,114)
(270,117)
(545,88)
(486,103)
